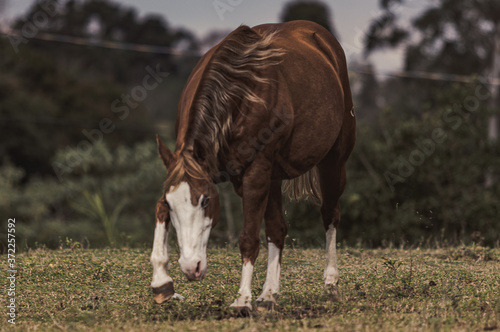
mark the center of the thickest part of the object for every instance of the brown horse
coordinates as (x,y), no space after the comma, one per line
(267,104)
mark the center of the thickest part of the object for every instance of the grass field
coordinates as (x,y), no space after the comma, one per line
(456,289)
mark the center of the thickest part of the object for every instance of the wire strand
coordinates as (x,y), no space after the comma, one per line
(171,51)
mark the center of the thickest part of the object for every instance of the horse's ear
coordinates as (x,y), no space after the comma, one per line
(165,154)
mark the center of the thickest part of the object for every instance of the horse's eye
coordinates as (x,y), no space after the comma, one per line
(167,205)
(204,202)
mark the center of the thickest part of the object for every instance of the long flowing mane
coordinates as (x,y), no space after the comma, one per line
(227,82)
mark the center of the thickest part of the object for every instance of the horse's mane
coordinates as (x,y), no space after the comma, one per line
(184,165)
(228,81)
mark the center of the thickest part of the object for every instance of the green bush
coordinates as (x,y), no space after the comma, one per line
(421,178)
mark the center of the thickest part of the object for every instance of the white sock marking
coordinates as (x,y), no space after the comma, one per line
(272,284)
(331,275)
(159,256)
(245,292)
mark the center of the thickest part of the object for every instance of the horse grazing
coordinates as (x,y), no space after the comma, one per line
(267,105)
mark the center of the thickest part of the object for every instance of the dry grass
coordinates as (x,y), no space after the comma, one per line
(386,290)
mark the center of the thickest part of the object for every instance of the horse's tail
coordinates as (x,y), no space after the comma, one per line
(305,187)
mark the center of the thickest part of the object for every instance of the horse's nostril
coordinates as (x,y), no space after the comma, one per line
(198,270)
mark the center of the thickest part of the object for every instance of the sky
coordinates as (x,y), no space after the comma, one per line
(350,17)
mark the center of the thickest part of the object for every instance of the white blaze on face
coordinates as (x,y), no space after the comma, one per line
(192,228)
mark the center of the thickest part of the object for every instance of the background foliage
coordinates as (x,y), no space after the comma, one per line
(402,190)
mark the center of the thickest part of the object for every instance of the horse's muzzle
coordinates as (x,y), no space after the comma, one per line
(194,271)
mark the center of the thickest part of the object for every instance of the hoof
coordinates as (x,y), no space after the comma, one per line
(242,311)
(242,307)
(266,306)
(333,293)
(163,293)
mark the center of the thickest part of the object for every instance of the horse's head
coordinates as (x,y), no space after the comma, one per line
(193,208)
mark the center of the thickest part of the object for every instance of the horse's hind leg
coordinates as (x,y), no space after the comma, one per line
(332,183)
(275,233)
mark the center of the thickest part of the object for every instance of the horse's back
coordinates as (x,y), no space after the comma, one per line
(313,55)
(305,35)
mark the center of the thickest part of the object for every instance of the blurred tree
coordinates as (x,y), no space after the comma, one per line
(419,179)
(106,20)
(365,90)
(315,11)
(50,92)
(43,109)
(452,36)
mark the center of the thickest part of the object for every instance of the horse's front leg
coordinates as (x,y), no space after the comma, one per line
(162,283)
(256,184)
